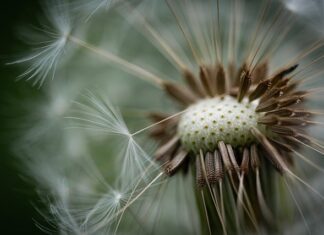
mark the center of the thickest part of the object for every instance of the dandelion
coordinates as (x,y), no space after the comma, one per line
(228,125)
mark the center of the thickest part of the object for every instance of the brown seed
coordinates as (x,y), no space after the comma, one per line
(206,81)
(255,160)
(283,82)
(158,116)
(210,168)
(272,93)
(290,87)
(193,83)
(282,145)
(245,161)
(289,101)
(260,73)
(245,83)
(221,80)
(232,157)
(218,166)
(268,120)
(225,157)
(212,71)
(281,112)
(159,132)
(260,90)
(200,179)
(267,106)
(288,121)
(272,153)
(240,71)
(166,148)
(302,113)
(173,165)
(180,94)
(165,129)
(277,77)
(282,130)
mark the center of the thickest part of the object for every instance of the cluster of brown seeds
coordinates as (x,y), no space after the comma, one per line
(278,100)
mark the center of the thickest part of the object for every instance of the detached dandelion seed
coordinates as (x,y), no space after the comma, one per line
(46,54)
(241,119)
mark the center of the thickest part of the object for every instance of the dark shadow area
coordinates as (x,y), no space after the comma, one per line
(17,197)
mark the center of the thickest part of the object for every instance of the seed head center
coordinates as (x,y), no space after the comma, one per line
(209,121)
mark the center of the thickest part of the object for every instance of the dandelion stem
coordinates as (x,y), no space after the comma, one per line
(121,63)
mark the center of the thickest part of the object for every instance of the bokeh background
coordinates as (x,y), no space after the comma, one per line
(17,195)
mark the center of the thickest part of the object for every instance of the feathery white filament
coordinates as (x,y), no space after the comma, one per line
(91,7)
(101,213)
(100,115)
(134,163)
(47,53)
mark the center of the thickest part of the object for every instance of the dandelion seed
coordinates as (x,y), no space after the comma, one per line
(101,214)
(100,115)
(46,54)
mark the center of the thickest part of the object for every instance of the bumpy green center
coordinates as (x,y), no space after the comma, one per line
(209,121)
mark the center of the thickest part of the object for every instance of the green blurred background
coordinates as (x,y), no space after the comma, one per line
(18,198)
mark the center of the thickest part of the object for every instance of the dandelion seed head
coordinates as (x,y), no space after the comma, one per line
(209,121)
